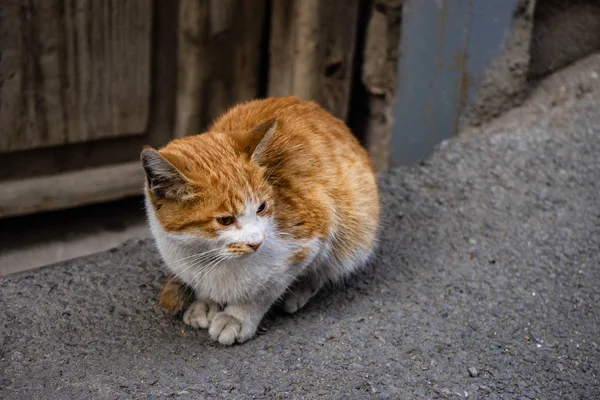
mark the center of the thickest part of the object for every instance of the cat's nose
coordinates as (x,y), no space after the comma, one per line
(254,246)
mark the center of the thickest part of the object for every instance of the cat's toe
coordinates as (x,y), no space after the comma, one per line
(200,313)
(297,299)
(225,328)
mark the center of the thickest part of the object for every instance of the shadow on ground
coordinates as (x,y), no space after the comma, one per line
(485,285)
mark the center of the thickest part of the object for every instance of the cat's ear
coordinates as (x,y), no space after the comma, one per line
(258,139)
(164,180)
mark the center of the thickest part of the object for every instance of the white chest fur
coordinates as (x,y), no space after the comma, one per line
(225,278)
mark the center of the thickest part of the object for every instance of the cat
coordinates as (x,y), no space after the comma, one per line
(275,200)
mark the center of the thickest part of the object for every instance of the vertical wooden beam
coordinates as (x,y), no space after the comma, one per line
(220,53)
(312,50)
(191,66)
(374,90)
(164,72)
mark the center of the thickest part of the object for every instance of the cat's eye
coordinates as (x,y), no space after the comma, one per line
(261,208)
(226,221)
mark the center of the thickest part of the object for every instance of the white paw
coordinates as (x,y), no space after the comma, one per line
(227,329)
(201,313)
(297,298)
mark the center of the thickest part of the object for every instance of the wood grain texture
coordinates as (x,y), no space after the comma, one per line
(219,64)
(70,189)
(73,70)
(120,149)
(312,47)
(164,73)
(374,91)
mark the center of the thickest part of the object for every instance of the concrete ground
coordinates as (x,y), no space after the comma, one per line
(485,285)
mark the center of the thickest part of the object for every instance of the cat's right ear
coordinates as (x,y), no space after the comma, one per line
(258,138)
(164,180)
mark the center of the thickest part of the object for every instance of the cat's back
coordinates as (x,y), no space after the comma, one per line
(305,131)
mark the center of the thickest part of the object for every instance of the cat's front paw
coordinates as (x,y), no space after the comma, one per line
(201,313)
(297,298)
(227,329)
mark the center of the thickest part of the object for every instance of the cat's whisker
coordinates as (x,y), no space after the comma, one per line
(208,271)
(208,266)
(204,271)
(195,255)
(183,268)
(207,260)
(193,265)
(197,264)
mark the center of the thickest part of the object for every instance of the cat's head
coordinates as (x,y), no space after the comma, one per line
(213,188)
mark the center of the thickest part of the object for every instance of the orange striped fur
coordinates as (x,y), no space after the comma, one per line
(276,194)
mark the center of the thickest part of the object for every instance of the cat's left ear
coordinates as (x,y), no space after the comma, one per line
(258,139)
(163,179)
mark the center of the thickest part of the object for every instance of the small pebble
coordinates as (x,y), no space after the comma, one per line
(535,336)
(473,371)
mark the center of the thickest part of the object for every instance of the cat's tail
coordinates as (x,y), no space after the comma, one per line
(176,296)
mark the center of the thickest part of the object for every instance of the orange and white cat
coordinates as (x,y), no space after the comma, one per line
(276,199)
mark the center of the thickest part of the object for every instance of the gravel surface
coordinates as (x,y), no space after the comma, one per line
(486,285)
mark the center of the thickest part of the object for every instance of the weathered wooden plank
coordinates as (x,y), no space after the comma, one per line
(73,71)
(294,52)
(164,73)
(192,64)
(220,54)
(108,59)
(31,111)
(83,155)
(374,93)
(312,47)
(70,189)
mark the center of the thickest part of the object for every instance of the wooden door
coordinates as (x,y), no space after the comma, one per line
(73,71)
(84,85)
